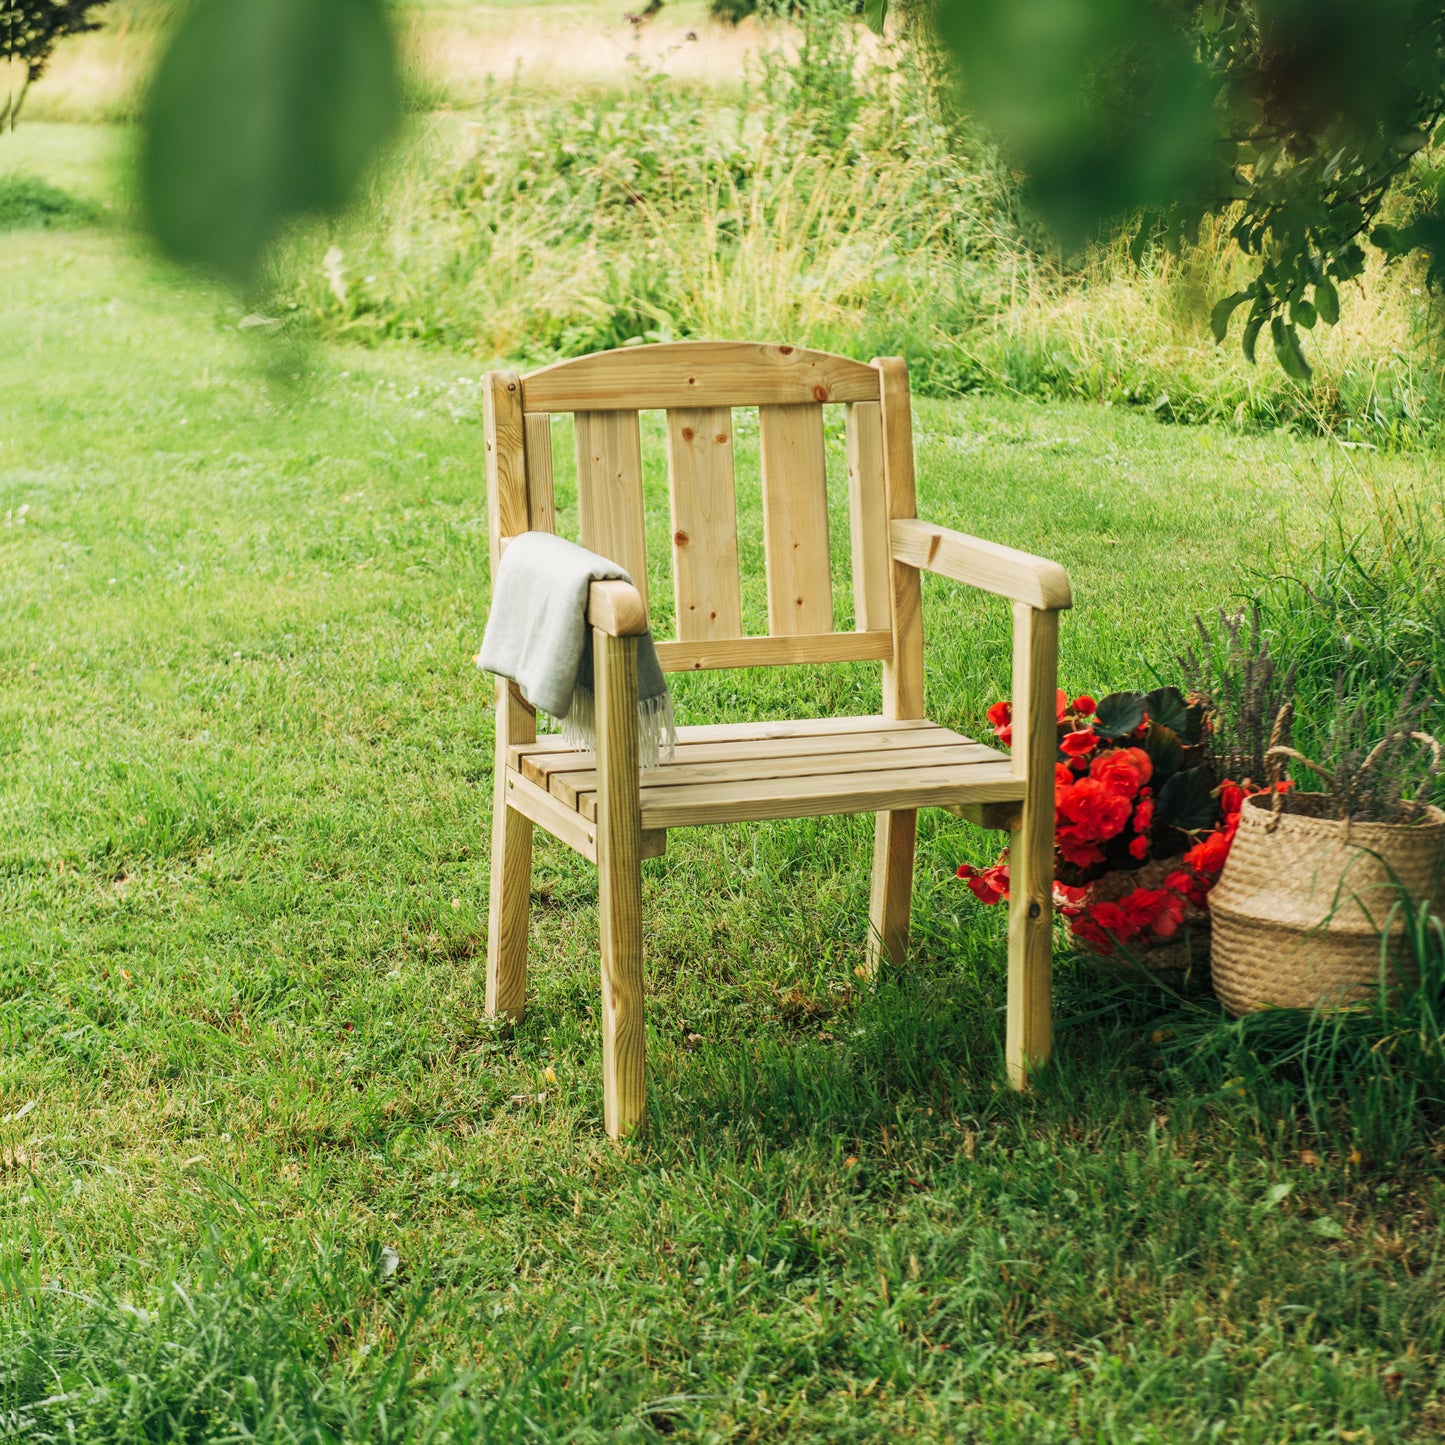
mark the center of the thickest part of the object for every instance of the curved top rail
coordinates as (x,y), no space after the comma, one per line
(697,374)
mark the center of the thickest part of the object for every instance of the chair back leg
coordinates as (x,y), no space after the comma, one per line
(511,880)
(619,884)
(891,906)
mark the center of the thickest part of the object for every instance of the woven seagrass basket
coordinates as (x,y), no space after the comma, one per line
(1301,907)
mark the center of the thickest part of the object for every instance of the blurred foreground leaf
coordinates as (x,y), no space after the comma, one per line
(261,112)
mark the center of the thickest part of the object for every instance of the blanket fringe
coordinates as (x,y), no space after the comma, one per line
(656,726)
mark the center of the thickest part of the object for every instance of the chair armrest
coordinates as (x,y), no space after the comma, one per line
(617,609)
(1018,576)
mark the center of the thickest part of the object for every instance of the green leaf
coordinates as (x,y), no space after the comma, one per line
(1327,302)
(1303,314)
(875,12)
(1119,714)
(1251,329)
(1287,349)
(1166,705)
(1327,1228)
(1224,309)
(261,112)
(1165,751)
(1186,801)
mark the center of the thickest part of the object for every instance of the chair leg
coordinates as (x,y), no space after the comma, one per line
(1030,951)
(511,883)
(624,1020)
(1030,1030)
(619,885)
(892,901)
(511,886)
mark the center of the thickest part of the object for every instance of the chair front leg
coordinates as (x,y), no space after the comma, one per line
(1031,854)
(619,883)
(511,880)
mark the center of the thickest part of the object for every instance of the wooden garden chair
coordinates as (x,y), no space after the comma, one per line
(611,812)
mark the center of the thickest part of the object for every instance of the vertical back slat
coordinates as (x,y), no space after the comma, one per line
(795,520)
(609,489)
(868,513)
(541,511)
(704,524)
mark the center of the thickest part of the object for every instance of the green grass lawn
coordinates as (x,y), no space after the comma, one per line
(266,1171)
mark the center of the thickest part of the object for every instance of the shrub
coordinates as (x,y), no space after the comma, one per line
(27,203)
(29,32)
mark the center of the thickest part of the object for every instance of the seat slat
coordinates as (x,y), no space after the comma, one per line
(570,787)
(609,489)
(540,766)
(704,523)
(756,732)
(758,799)
(795,520)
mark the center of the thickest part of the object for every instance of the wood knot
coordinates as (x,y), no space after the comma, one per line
(720,438)
(688,433)
(785,350)
(820,392)
(680,539)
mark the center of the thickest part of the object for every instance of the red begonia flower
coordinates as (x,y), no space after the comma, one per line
(1207,857)
(1092,811)
(1077,744)
(1144,813)
(1123,771)
(1000,717)
(1085,706)
(989,885)
(1139,847)
(1061,699)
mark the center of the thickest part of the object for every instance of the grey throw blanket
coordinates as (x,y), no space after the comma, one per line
(537,635)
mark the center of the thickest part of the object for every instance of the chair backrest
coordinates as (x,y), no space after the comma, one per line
(698,385)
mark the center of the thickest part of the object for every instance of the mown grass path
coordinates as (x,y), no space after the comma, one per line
(243,856)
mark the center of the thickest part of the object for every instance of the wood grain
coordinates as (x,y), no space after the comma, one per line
(896,828)
(609,490)
(616,608)
(564,823)
(868,513)
(507,510)
(752,800)
(541,508)
(816,647)
(619,885)
(539,762)
(704,523)
(697,374)
(988,566)
(1029,1033)
(795,520)
(510,884)
(775,728)
(568,785)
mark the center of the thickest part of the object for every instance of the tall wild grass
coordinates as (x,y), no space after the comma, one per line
(841,201)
